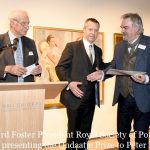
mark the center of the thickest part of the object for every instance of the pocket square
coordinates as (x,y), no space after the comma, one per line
(30,53)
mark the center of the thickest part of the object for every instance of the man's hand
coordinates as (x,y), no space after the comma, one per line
(17,70)
(139,78)
(73,86)
(37,70)
(97,75)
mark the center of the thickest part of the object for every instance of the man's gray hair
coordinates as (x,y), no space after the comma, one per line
(136,20)
(15,14)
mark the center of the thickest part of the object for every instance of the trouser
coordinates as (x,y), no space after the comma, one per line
(79,127)
(128,111)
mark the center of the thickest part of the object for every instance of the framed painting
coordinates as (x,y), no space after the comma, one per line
(117,38)
(50,43)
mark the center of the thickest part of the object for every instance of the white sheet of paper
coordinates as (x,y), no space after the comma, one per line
(29,70)
(124,72)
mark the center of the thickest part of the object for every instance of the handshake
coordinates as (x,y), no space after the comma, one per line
(97,75)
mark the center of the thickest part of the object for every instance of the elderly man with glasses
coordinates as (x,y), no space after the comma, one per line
(18,51)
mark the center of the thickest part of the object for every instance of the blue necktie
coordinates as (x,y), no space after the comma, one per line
(19,59)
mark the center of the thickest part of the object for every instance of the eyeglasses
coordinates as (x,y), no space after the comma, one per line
(124,27)
(24,24)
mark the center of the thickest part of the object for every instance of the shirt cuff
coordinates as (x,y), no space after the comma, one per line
(67,88)
(146,79)
(4,75)
(102,78)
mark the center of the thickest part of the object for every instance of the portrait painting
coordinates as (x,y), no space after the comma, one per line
(50,43)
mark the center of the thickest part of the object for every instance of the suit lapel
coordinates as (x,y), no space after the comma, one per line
(97,57)
(6,39)
(120,53)
(25,51)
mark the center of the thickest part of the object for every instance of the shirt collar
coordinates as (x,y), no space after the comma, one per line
(134,40)
(86,43)
(11,36)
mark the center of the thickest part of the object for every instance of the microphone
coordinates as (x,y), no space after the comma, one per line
(14,45)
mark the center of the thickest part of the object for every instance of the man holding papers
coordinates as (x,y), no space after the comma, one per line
(18,51)
(132,89)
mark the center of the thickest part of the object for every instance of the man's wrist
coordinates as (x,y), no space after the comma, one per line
(7,69)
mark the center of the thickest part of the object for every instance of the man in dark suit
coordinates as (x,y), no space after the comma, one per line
(132,93)
(78,59)
(12,69)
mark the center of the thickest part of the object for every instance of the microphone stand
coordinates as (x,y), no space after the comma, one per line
(13,46)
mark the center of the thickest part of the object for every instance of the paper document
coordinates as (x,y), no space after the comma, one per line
(124,72)
(29,70)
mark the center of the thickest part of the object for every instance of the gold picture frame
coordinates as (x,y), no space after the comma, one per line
(117,38)
(61,36)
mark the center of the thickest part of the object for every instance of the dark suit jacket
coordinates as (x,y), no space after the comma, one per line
(141,91)
(74,65)
(30,57)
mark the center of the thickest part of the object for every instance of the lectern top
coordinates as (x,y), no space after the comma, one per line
(52,89)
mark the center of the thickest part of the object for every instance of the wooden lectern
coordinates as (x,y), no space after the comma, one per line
(21,113)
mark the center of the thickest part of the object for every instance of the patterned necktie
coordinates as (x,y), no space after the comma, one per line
(133,46)
(19,59)
(90,54)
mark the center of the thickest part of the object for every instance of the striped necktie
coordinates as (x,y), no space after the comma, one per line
(90,54)
(133,46)
(19,58)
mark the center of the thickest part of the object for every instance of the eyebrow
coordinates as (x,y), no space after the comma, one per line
(124,27)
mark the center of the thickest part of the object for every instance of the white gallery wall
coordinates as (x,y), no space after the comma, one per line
(71,15)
